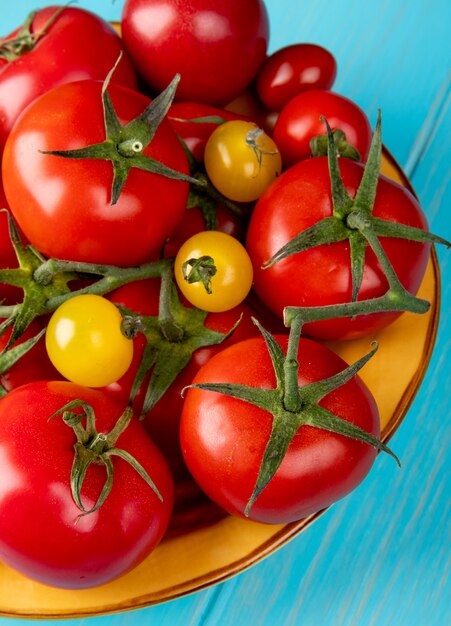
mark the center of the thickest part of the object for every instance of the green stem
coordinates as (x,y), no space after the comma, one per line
(171,331)
(291,396)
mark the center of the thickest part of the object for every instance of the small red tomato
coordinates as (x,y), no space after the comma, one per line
(292,70)
(299,121)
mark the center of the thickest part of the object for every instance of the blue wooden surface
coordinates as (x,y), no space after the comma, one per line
(381,556)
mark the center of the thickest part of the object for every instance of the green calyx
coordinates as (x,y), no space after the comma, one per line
(171,339)
(292,406)
(200,270)
(97,448)
(124,145)
(319,146)
(352,220)
(25,40)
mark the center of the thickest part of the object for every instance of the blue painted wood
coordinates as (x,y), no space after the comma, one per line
(381,556)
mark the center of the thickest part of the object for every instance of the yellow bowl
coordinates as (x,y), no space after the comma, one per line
(205,547)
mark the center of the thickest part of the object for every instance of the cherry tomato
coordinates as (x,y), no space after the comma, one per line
(49,194)
(299,121)
(42,534)
(76,46)
(85,342)
(223,439)
(216,47)
(299,198)
(231,282)
(292,70)
(162,422)
(241,160)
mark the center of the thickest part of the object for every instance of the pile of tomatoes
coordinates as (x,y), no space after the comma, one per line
(147,180)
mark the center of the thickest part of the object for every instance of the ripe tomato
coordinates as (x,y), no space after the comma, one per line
(223,439)
(34,365)
(62,548)
(162,422)
(292,70)
(299,121)
(77,45)
(8,259)
(218,290)
(49,194)
(216,46)
(241,160)
(195,134)
(85,343)
(320,276)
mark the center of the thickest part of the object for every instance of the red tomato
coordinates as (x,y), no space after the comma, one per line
(216,46)
(193,222)
(299,198)
(195,134)
(223,439)
(162,422)
(76,46)
(8,259)
(34,365)
(299,121)
(292,70)
(60,548)
(72,197)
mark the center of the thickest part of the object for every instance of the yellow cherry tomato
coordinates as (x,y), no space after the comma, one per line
(241,160)
(85,342)
(213,271)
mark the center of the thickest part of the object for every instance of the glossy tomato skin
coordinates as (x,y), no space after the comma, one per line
(216,46)
(34,365)
(72,197)
(299,121)
(37,457)
(163,421)
(223,439)
(196,134)
(292,70)
(322,276)
(78,45)
(8,259)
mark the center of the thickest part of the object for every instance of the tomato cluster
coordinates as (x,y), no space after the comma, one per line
(172,242)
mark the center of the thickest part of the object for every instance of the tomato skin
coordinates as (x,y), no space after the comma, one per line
(196,134)
(37,456)
(199,39)
(8,293)
(299,121)
(78,45)
(292,70)
(162,422)
(301,197)
(49,194)
(223,439)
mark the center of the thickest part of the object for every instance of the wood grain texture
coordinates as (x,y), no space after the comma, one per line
(381,556)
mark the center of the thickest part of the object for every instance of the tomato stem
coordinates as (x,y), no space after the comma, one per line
(291,397)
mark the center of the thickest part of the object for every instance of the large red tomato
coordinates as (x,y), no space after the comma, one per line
(77,45)
(42,534)
(223,439)
(216,45)
(64,205)
(320,276)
